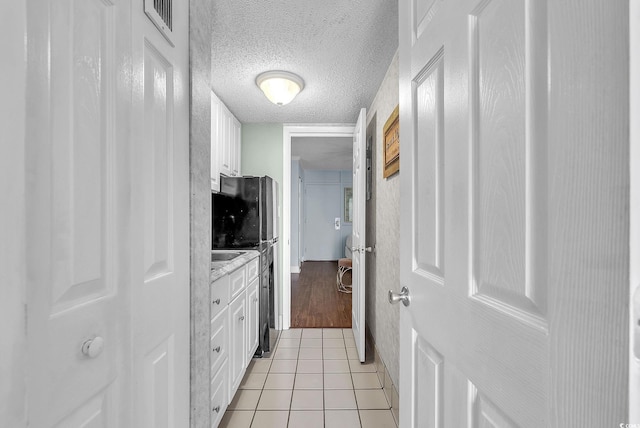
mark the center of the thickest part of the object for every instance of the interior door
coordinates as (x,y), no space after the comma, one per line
(517,306)
(160,233)
(107,215)
(322,238)
(78,212)
(358,257)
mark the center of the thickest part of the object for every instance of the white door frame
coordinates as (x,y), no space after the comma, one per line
(634,211)
(288,132)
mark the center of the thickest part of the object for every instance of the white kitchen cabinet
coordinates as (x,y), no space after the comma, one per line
(219,340)
(236,148)
(253,312)
(219,397)
(226,137)
(238,341)
(215,143)
(226,155)
(234,331)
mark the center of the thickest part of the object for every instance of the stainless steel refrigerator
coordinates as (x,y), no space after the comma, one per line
(244,217)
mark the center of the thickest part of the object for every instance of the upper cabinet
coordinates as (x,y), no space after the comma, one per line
(215,139)
(225,143)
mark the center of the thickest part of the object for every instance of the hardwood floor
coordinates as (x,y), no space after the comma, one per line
(315,299)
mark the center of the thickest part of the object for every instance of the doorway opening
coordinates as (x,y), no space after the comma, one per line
(293,231)
(321,229)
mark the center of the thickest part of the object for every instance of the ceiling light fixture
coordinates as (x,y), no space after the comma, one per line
(280,87)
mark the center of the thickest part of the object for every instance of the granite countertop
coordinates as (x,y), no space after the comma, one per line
(224,267)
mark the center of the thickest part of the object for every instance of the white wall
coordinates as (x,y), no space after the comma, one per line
(383,226)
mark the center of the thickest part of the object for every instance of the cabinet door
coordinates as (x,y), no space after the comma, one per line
(219,397)
(225,138)
(253,312)
(237,148)
(215,143)
(238,341)
(219,343)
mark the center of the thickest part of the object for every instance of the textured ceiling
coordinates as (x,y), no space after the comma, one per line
(323,153)
(340,48)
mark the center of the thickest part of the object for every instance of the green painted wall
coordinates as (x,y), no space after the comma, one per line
(262,150)
(262,155)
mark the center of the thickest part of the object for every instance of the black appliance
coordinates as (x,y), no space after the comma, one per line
(243,218)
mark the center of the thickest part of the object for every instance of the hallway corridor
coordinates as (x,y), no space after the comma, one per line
(312,380)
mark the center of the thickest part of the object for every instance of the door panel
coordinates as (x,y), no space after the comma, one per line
(508,185)
(428,378)
(157,163)
(428,245)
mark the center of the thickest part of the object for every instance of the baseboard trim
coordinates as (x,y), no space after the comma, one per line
(295,269)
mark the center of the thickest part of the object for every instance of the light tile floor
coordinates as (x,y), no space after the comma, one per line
(313,379)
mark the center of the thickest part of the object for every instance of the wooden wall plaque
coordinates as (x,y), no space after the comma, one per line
(391,141)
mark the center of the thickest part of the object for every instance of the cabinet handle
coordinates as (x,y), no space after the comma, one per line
(216,409)
(217,349)
(255,299)
(217,301)
(242,318)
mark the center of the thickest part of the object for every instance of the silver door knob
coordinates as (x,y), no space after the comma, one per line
(355,249)
(402,297)
(367,249)
(93,347)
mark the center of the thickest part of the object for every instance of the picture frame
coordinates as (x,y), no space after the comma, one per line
(391,144)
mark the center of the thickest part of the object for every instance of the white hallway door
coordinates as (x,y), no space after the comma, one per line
(513,228)
(359,249)
(107,215)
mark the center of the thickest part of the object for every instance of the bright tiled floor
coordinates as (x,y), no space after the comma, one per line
(313,379)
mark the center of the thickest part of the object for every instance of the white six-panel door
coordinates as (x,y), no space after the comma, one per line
(358,296)
(512,215)
(107,216)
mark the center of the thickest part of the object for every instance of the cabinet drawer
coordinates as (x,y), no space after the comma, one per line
(238,281)
(219,295)
(219,399)
(219,340)
(252,269)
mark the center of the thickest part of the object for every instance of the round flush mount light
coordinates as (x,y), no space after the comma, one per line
(280,87)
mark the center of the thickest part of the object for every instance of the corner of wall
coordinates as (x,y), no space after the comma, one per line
(382,318)
(201,13)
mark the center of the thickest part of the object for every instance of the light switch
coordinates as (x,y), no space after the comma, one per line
(337,223)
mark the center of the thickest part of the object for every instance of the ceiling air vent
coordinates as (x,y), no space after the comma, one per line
(160,12)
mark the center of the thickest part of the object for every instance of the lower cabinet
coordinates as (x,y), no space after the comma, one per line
(253,313)
(238,336)
(219,400)
(235,309)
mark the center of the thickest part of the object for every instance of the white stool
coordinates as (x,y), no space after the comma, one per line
(344,265)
